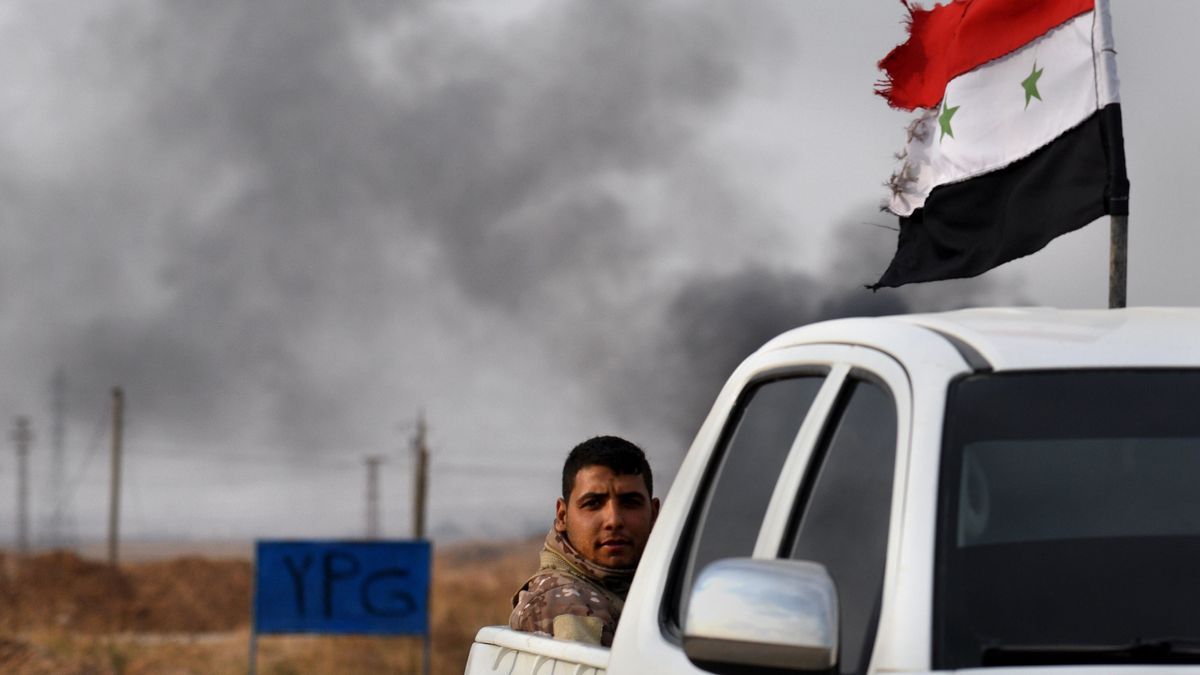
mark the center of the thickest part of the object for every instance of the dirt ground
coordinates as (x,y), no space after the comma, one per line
(63,614)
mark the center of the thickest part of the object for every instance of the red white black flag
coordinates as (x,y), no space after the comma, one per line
(1018,135)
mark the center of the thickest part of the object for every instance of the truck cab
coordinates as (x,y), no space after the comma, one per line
(993,488)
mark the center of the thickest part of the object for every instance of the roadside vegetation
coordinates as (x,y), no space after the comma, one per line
(65,615)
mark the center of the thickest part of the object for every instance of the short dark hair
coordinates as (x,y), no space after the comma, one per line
(619,455)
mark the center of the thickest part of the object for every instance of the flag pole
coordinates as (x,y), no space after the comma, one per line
(1118,261)
(1117,193)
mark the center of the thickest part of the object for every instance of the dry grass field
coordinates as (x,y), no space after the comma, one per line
(63,614)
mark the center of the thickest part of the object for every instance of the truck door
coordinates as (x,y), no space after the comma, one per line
(842,509)
(756,494)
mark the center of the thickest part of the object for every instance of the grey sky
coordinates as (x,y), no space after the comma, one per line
(284,227)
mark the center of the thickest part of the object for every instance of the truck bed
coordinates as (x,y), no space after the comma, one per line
(499,650)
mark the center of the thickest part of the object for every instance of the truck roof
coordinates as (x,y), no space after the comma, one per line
(1024,338)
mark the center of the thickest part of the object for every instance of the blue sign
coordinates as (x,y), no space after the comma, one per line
(348,587)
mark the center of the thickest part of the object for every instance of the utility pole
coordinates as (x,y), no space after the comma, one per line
(420,478)
(373,528)
(114,493)
(22,436)
(420,492)
(56,536)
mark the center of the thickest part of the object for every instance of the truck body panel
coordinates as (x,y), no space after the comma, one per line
(916,359)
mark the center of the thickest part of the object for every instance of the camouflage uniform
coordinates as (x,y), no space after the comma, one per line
(571,598)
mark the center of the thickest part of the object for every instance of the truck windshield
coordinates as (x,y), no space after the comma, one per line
(1069,519)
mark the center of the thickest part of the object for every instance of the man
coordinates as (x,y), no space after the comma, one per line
(601,525)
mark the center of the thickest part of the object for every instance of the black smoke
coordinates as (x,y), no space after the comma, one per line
(291,223)
(283,187)
(714,322)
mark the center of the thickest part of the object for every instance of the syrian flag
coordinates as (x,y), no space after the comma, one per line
(1018,137)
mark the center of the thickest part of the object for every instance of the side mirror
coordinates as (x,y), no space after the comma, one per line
(776,614)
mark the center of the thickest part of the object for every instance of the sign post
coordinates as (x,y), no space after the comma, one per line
(341,587)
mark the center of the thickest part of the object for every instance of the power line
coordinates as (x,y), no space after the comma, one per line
(133,481)
(97,435)
(194,452)
(175,452)
(235,458)
(492,469)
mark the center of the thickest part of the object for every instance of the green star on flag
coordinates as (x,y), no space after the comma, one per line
(1030,85)
(944,120)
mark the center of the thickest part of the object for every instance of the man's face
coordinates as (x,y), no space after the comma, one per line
(608,517)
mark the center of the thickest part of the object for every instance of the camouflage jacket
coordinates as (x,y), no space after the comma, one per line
(570,597)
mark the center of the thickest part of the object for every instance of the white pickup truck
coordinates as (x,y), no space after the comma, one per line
(1010,490)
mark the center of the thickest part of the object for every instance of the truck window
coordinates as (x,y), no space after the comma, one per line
(756,440)
(1069,520)
(843,510)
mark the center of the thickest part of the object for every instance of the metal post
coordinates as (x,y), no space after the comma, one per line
(420,495)
(1118,261)
(114,493)
(22,436)
(420,478)
(57,535)
(373,525)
